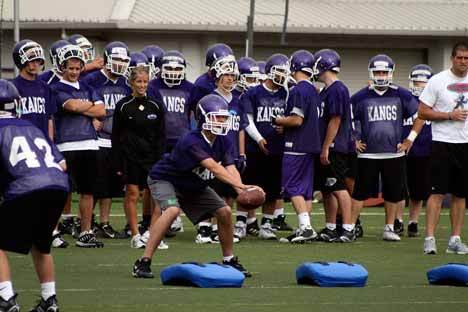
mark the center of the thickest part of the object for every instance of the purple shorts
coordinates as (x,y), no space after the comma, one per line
(298,175)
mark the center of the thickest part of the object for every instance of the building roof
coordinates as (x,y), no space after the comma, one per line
(393,17)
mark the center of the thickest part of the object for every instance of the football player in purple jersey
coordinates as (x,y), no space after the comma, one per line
(380,110)
(34,186)
(92,63)
(110,86)
(180,181)
(302,143)
(154,54)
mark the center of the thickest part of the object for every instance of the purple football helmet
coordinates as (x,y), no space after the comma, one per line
(326,59)
(138,59)
(154,54)
(84,44)
(213,114)
(304,61)
(248,73)
(173,68)
(53,52)
(261,71)
(277,68)
(68,52)
(116,58)
(420,73)
(381,63)
(217,52)
(9,98)
(26,51)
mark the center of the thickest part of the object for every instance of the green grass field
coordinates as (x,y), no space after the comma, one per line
(100,280)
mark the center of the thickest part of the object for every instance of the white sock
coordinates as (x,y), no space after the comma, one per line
(47,290)
(330,226)
(214,227)
(242,213)
(389,227)
(228,258)
(453,238)
(6,290)
(204,224)
(429,238)
(348,227)
(304,220)
(67,216)
(278,212)
(411,222)
(55,232)
(251,220)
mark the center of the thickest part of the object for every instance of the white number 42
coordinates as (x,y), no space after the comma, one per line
(20,150)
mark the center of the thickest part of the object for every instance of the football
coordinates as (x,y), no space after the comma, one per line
(251,198)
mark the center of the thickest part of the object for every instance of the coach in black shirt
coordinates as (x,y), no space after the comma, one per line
(138,138)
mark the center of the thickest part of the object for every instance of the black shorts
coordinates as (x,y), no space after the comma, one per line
(418,176)
(136,174)
(108,183)
(82,168)
(197,206)
(449,168)
(392,173)
(331,178)
(30,220)
(265,171)
(352,163)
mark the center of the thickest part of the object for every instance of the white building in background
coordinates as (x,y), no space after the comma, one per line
(410,31)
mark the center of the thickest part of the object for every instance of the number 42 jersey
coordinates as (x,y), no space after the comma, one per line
(28,160)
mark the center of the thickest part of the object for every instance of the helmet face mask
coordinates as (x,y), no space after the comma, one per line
(279,74)
(218,123)
(225,65)
(69,52)
(247,81)
(381,68)
(116,58)
(418,78)
(85,45)
(173,74)
(30,52)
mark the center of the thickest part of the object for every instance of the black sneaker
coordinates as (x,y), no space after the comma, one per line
(142,268)
(358,229)
(49,305)
(105,230)
(88,240)
(398,227)
(302,236)
(9,305)
(328,235)
(279,224)
(204,235)
(143,226)
(253,229)
(234,262)
(76,228)
(413,230)
(347,236)
(125,232)
(66,226)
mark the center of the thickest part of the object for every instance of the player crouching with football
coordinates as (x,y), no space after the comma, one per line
(180,181)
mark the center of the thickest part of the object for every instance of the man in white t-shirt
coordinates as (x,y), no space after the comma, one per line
(444,101)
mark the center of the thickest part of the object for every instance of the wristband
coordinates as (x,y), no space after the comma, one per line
(412,136)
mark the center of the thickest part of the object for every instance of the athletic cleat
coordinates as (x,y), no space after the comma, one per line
(142,268)
(177,225)
(163,245)
(58,241)
(105,230)
(390,236)
(358,229)
(253,229)
(137,242)
(328,235)
(234,262)
(204,235)
(9,305)
(240,230)
(347,236)
(430,247)
(457,247)
(302,236)
(49,305)
(67,226)
(279,224)
(87,239)
(399,227)
(413,230)
(215,239)
(143,226)
(266,232)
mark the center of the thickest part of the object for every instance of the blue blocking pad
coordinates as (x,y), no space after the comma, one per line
(204,275)
(455,274)
(332,274)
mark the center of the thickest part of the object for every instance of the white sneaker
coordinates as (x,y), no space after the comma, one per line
(457,247)
(240,230)
(58,241)
(430,247)
(137,242)
(145,237)
(389,235)
(215,240)
(267,232)
(177,225)
(202,239)
(163,245)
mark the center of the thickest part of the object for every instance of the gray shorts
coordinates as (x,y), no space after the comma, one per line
(198,206)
